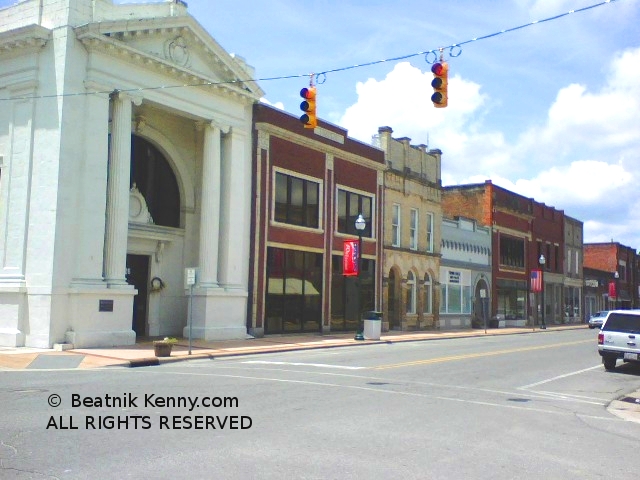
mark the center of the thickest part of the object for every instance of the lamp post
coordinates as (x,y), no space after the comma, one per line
(616,275)
(360,226)
(542,261)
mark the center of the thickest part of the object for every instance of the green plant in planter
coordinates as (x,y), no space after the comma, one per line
(163,347)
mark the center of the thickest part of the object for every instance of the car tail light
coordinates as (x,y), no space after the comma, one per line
(601,339)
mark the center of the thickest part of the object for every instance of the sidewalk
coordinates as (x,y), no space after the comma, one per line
(142,354)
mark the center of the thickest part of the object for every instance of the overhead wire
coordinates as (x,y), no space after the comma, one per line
(451,49)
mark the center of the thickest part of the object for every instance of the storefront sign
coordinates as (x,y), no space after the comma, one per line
(350,258)
(454,277)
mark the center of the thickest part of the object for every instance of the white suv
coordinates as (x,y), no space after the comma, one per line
(619,337)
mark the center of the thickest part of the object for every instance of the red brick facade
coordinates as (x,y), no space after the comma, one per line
(522,230)
(325,157)
(613,257)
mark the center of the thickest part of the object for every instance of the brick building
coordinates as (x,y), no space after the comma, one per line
(412,220)
(309,186)
(573,270)
(547,227)
(522,231)
(617,259)
(596,291)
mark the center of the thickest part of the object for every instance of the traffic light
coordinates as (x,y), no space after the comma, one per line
(309,107)
(439,83)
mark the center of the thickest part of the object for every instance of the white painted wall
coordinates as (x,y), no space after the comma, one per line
(54,128)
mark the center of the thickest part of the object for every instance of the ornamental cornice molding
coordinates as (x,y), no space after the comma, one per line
(299,139)
(24,40)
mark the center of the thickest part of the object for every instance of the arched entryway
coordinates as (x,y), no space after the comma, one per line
(154,179)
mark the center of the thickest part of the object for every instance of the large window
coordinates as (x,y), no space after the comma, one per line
(413,229)
(455,289)
(512,251)
(411,295)
(572,303)
(294,291)
(350,205)
(429,232)
(151,174)
(297,201)
(428,294)
(511,299)
(395,225)
(345,291)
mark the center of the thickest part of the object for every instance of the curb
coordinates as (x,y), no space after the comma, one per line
(627,407)
(154,361)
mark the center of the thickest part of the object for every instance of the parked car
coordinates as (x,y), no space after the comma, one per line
(597,318)
(619,337)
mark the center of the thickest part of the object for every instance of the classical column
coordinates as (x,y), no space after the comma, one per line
(210,208)
(117,222)
(235,211)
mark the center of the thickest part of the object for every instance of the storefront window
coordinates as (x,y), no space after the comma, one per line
(342,286)
(294,291)
(455,291)
(511,299)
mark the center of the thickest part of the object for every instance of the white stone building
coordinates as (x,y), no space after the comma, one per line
(125,149)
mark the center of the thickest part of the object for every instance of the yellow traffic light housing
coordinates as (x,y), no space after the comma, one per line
(308,106)
(439,83)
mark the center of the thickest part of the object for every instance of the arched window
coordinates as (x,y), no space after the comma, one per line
(427,300)
(411,300)
(156,181)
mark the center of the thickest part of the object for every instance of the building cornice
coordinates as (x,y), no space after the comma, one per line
(24,40)
(318,145)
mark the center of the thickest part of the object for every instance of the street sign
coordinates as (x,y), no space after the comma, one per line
(189,277)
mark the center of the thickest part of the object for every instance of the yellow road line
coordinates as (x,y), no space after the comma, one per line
(475,355)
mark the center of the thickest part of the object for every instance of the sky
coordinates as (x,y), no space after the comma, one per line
(550,111)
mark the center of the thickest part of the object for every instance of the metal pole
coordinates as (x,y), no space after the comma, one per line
(484,312)
(360,332)
(190,315)
(544,325)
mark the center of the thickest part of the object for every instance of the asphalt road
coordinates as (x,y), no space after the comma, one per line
(516,406)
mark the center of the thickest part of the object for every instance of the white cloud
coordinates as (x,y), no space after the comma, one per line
(278,105)
(582,159)
(402,100)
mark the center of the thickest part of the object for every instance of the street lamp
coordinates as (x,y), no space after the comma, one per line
(616,275)
(360,226)
(542,261)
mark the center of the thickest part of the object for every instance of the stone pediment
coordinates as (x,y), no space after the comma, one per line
(177,46)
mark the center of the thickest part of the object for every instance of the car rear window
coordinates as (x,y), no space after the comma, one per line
(622,322)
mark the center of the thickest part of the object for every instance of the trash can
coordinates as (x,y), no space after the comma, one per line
(372,325)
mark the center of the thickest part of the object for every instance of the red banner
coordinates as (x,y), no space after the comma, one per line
(612,290)
(350,258)
(536,281)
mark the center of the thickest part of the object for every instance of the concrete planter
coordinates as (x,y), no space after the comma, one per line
(162,349)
